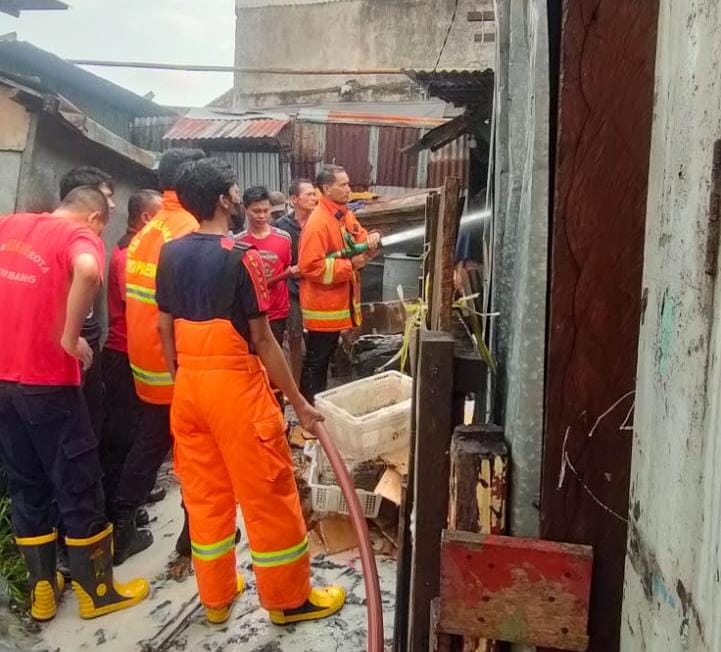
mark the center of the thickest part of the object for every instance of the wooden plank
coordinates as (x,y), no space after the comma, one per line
(479,487)
(606,96)
(441,310)
(481,16)
(517,590)
(432,445)
(438,642)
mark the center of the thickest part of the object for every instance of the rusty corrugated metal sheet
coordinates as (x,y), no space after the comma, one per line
(449,161)
(349,146)
(308,149)
(395,168)
(367,117)
(239,129)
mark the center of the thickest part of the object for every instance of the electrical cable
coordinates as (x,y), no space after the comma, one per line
(448,33)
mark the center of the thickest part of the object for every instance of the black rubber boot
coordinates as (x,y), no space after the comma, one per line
(63,566)
(46,583)
(127,538)
(155,496)
(182,545)
(142,518)
(91,565)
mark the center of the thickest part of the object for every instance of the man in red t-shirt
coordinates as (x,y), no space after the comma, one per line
(122,405)
(50,272)
(275,248)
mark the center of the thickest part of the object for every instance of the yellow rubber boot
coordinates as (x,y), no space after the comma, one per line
(46,584)
(321,603)
(91,567)
(221,614)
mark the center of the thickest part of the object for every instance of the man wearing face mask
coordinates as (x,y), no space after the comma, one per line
(50,272)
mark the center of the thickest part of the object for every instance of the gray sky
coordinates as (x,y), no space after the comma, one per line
(163,31)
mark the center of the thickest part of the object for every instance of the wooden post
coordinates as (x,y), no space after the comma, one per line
(433,204)
(405,543)
(441,309)
(433,441)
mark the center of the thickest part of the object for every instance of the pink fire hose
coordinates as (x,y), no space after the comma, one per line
(368,560)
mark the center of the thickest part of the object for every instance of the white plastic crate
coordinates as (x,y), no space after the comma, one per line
(329,498)
(369,417)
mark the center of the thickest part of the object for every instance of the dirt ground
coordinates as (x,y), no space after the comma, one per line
(172,618)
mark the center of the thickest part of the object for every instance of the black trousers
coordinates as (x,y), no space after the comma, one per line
(319,350)
(150,448)
(50,454)
(121,419)
(93,389)
(279,326)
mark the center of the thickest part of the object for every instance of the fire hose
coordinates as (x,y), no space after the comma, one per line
(368,560)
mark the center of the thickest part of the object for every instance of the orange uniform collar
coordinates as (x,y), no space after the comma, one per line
(339,211)
(171,201)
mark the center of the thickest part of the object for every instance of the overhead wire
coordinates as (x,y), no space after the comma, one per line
(448,33)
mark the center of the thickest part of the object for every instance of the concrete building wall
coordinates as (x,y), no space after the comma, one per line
(672,595)
(349,34)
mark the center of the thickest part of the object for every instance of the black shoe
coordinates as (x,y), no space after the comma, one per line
(155,496)
(142,518)
(127,538)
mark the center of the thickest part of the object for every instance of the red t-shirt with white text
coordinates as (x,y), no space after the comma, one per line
(36,258)
(275,250)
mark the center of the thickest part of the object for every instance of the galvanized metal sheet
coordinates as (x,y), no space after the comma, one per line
(255,168)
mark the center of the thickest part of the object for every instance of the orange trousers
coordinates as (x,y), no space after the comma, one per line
(230,449)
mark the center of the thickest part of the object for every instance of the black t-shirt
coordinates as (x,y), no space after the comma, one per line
(192,273)
(288,224)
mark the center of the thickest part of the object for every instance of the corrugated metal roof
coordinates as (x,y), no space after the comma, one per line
(459,87)
(14,7)
(224,129)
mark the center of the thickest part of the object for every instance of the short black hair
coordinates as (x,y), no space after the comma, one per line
(138,204)
(201,183)
(255,194)
(327,175)
(294,189)
(87,198)
(84,176)
(171,162)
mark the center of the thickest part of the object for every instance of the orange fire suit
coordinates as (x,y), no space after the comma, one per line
(153,383)
(329,287)
(230,444)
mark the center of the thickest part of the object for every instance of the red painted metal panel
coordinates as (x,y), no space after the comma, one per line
(349,146)
(518,590)
(395,168)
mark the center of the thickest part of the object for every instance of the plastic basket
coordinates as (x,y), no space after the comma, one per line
(329,498)
(369,417)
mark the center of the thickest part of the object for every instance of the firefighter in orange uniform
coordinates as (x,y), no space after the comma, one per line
(230,444)
(329,286)
(153,383)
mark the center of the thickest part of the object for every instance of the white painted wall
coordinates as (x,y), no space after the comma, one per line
(672,598)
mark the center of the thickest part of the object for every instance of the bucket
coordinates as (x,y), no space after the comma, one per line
(404,270)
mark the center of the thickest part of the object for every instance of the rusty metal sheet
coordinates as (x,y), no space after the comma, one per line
(307,150)
(239,129)
(517,590)
(349,146)
(395,168)
(449,161)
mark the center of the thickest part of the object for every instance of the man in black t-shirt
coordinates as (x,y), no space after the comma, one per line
(230,444)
